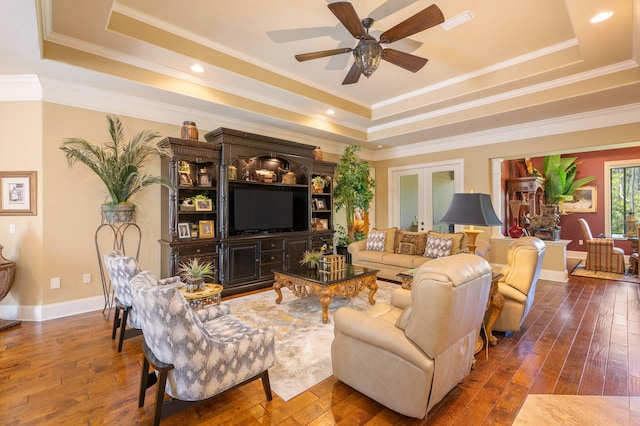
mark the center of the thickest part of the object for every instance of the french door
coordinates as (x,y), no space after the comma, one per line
(420,195)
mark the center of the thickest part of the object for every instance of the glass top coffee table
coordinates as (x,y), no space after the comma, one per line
(304,282)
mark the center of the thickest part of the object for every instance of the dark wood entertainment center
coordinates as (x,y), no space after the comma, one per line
(262,206)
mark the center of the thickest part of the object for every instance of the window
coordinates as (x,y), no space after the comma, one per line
(622,181)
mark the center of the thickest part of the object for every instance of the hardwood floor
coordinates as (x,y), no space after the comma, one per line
(580,338)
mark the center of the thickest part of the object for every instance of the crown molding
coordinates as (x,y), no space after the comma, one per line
(20,88)
(571,123)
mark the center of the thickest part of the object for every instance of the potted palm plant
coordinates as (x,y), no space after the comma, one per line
(119,165)
(194,272)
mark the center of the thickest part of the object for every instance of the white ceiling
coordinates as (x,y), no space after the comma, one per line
(515,62)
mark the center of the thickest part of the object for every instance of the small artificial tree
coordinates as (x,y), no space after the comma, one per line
(353,185)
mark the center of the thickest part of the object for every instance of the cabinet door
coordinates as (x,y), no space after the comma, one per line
(244,262)
(295,250)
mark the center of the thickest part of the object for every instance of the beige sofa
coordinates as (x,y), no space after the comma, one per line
(405,250)
(408,354)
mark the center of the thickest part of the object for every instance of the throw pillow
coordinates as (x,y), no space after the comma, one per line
(407,248)
(417,238)
(375,241)
(459,240)
(390,238)
(438,247)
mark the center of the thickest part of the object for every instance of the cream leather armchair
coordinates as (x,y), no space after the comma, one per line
(518,283)
(407,355)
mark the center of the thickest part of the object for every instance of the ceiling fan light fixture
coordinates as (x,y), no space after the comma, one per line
(367,54)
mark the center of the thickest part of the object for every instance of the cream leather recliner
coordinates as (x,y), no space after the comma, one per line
(518,284)
(409,354)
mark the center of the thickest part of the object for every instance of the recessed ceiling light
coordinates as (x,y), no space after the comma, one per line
(603,16)
(330,111)
(197,68)
(379,146)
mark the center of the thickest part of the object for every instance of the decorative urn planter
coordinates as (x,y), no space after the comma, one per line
(7,272)
(193,284)
(118,213)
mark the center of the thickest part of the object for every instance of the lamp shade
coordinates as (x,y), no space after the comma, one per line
(471,209)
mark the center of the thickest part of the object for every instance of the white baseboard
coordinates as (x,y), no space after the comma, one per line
(51,311)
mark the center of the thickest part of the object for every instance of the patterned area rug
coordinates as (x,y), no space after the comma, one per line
(579,271)
(303,342)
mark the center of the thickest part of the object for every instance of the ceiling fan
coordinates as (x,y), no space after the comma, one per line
(369,51)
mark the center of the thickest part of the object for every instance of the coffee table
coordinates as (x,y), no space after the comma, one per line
(304,282)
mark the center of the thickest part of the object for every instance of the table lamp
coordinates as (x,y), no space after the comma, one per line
(473,209)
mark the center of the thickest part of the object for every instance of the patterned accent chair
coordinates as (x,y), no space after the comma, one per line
(518,282)
(407,355)
(197,355)
(601,254)
(121,269)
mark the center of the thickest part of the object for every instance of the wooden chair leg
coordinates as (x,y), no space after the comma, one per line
(145,381)
(116,322)
(123,326)
(266,385)
(162,382)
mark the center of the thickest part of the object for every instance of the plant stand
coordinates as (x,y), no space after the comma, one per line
(117,234)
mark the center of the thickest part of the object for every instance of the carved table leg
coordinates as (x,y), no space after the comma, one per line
(496,304)
(373,287)
(325,301)
(277,285)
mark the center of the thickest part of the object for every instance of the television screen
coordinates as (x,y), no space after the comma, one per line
(262,210)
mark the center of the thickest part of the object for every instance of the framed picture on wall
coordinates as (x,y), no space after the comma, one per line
(18,193)
(584,201)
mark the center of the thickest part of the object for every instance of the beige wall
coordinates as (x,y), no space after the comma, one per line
(21,150)
(59,241)
(477,160)
(72,203)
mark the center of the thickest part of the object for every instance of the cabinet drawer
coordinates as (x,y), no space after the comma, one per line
(198,250)
(272,244)
(273,256)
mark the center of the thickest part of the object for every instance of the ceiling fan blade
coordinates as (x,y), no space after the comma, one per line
(353,75)
(347,15)
(421,21)
(315,55)
(388,8)
(404,60)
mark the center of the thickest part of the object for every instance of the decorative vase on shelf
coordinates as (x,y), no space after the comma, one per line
(189,130)
(515,231)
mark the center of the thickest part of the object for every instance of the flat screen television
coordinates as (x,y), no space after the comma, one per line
(261,210)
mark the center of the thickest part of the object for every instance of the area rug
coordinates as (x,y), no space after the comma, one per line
(303,342)
(578,410)
(580,271)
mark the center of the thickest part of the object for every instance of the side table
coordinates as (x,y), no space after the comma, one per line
(406,278)
(202,298)
(495,304)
